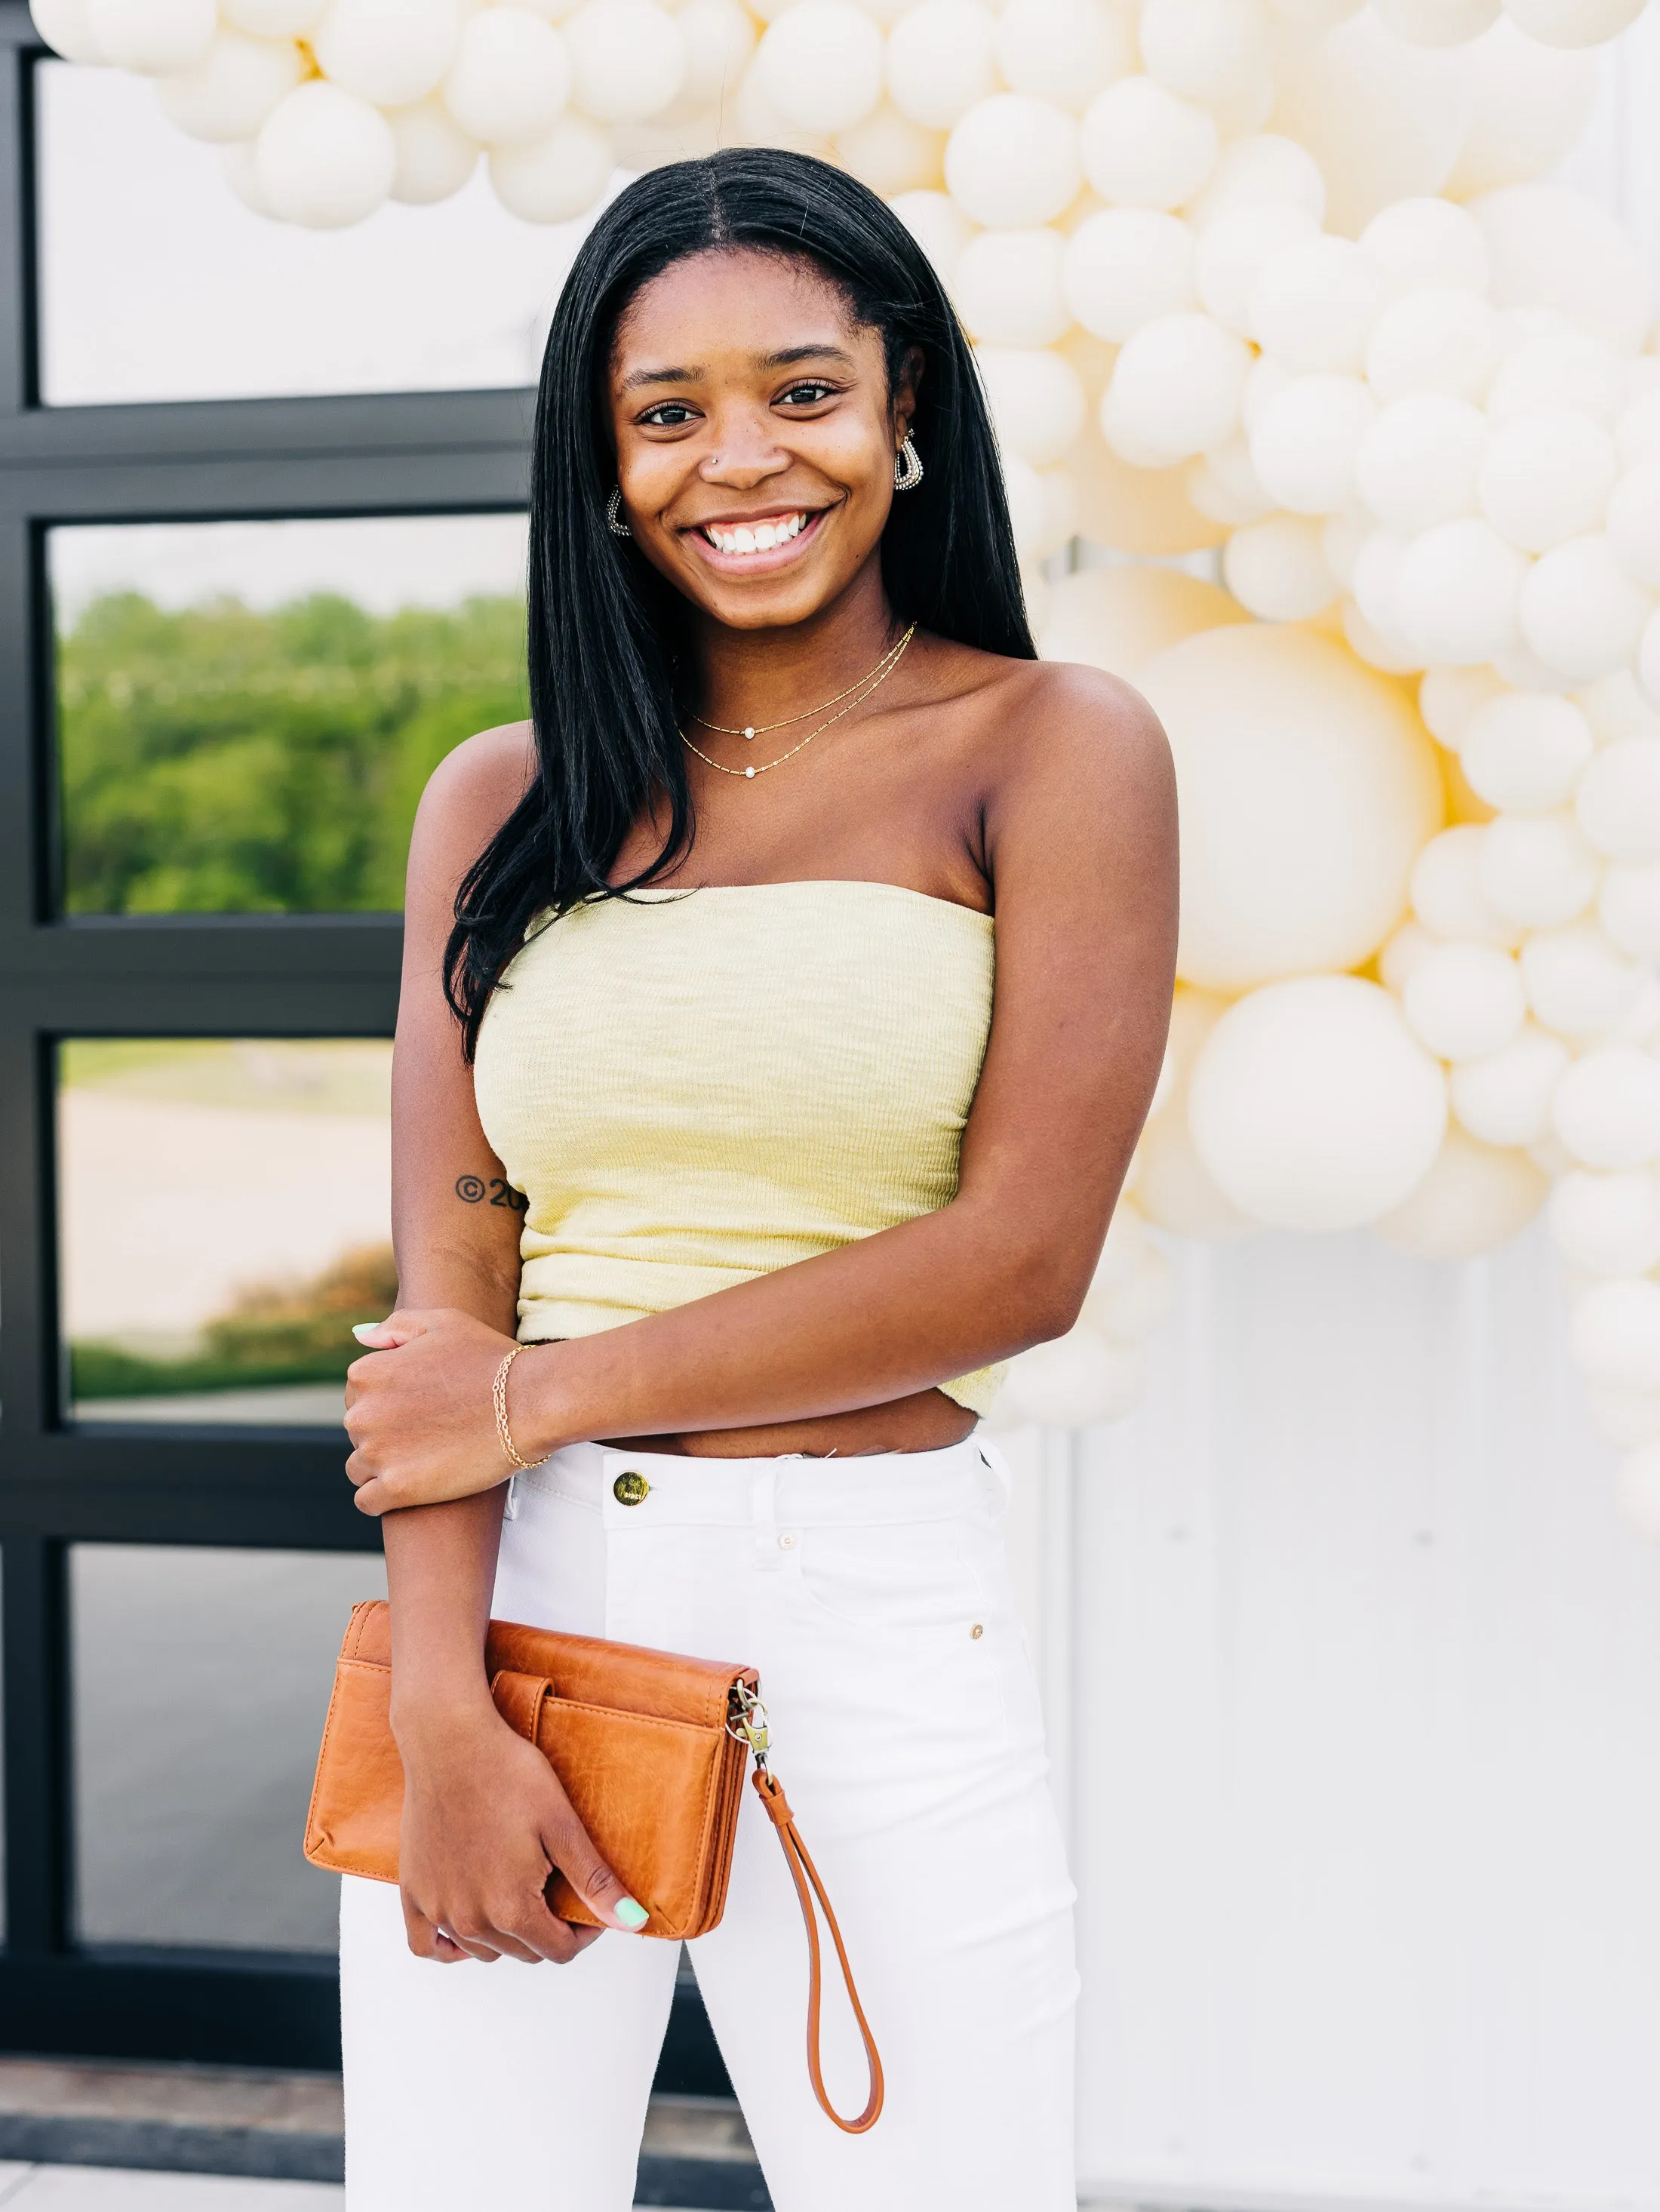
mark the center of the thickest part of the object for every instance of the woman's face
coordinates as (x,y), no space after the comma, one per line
(755,435)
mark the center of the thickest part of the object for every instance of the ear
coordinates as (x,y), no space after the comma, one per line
(905,391)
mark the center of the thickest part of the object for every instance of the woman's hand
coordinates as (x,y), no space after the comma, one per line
(485,1822)
(418,1410)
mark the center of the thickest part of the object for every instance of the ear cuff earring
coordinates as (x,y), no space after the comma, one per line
(907,468)
(613,521)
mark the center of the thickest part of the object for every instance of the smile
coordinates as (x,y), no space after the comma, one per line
(746,538)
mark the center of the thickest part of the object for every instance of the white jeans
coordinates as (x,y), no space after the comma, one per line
(873,1596)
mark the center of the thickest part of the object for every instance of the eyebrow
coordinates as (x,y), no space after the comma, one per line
(786,359)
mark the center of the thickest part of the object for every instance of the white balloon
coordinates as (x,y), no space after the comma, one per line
(1550,364)
(1507,1098)
(391,52)
(1132,509)
(153,37)
(1384,119)
(1066,51)
(510,79)
(1119,619)
(1126,1311)
(1426,241)
(1449,699)
(1637,431)
(1616,709)
(753,119)
(1435,339)
(1076,1379)
(939,226)
(1456,592)
(1145,146)
(64,26)
(435,156)
(1313,305)
(1223,485)
(1418,463)
(1546,477)
(628,57)
(1537,869)
(1627,1418)
(1438,23)
(890,153)
(1552,249)
(1607,1224)
(1261,170)
(941,61)
(1008,289)
(1606,1109)
(1637,1489)
(720,37)
(556,177)
(1628,906)
(272,19)
(1614,1332)
(1633,522)
(1037,402)
(1580,612)
(1175,391)
(1376,572)
(1474,1197)
(1464,1001)
(1532,105)
(240,167)
(1341,536)
(1234,248)
(1573,22)
(1304,443)
(1307,787)
(1313,1106)
(1172,1186)
(1524,754)
(1209,50)
(1043,508)
(1379,649)
(325,158)
(231,89)
(1446,891)
(1579,985)
(1013,162)
(1126,267)
(1277,568)
(1618,803)
(821,62)
(1403,953)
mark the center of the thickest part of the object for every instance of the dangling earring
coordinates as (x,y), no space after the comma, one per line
(613,521)
(907,467)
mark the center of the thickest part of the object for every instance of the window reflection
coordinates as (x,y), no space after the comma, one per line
(247,711)
(224,1218)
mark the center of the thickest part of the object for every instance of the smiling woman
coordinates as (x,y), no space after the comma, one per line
(815,1089)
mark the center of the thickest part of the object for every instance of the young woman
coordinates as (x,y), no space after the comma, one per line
(704,1092)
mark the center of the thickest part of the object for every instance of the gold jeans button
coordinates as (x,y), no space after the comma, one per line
(630,1488)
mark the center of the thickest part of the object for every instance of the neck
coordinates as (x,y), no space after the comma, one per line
(759,675)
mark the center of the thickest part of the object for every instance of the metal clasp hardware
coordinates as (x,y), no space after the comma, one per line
(746,1721)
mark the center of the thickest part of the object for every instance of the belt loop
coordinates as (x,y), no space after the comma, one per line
(509,1510)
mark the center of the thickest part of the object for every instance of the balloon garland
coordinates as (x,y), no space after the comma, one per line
(1275,277)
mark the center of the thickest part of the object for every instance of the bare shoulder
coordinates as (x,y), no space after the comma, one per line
(478,785)
(1037,726)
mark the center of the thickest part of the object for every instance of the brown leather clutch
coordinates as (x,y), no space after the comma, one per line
(650,1748)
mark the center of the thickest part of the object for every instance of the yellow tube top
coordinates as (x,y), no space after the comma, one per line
(692,1088)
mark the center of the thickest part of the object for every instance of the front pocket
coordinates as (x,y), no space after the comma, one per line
(893,1576)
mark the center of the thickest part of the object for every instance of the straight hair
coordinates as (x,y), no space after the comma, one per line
(606,632)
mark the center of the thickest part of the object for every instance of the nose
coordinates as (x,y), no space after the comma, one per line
(746,453)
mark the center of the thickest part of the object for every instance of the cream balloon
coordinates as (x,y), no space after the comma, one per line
(1505,1099)
(1573,22)
(1464,1001)
(1135,510)
(1607,1223)
(1531,104)
(1043,508)
(1403,953)
(1628,908)
(1234,248)
(1606,1109)
(820,63)
(1313,305)
(1627,1418)
(555,177)
(1550,364)
(510,79)
(1008,286)
(233,88)
(1314,1107)
(1633,522)
(1449,699)
(1419,461)
(1145,146)
(1036,400)
(1614,1334)
(1120,619)
(1537,869)
(1618,802)
(1551,248)
(64,26)
(1580,612)
(1446,891)
(939,226)
(941,61)
(153,37)
(1546,477)
(1524,753)
(720,37)
(435,156)
(1307,787)
(272,19)
(1261,169)
(628,57)
(1457,593)
(1277,568)
(1173,1187)
(1426,242)
(1579,986)
(1125,267)
(1222,484)
(1437,22)
(1437,338)
(1474,1199)
(1066,51)
(325,158)
(1176,390)
(1013,162)
(1076,1379)
(1305,442)
(391,52)
(1208,50)
(1637,431)
(891,154)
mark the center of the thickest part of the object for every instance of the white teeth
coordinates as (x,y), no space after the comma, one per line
(757,537)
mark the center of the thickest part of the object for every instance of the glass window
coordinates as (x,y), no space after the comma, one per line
(224,1217)
(247,711)
(158,282)
(192,1774)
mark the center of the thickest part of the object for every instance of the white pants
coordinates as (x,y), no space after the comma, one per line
(873,1596)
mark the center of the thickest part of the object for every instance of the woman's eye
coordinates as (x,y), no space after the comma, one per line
(806,395)
(669,416)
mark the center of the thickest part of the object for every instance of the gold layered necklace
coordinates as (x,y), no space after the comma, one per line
(855,695)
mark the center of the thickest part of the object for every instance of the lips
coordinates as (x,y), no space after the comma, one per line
(739,539)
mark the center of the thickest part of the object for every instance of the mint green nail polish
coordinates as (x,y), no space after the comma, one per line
(633,1917)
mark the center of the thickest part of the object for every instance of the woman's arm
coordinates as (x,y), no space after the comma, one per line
(1080,837)
(484,1818)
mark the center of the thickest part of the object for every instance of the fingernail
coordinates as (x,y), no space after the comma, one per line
(363,1330)
(633,1916)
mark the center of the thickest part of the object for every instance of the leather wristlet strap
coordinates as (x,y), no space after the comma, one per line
(805,1875)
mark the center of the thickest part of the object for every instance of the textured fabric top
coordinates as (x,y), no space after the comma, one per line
(692,1088)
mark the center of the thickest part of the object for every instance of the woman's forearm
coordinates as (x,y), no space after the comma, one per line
(440,1565)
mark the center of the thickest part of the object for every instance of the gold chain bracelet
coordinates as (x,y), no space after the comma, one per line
(499,1400)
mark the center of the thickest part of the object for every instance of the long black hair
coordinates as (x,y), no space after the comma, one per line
(604,626)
